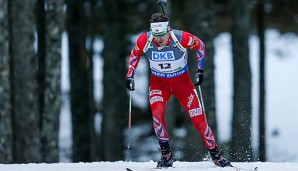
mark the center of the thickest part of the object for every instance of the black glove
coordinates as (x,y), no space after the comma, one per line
(199,78)
(130,83)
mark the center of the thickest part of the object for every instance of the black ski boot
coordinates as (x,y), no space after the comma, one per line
(166,159)
(218,159)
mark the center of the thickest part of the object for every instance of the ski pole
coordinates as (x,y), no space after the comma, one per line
(129,119)
(201,98)
(161,3)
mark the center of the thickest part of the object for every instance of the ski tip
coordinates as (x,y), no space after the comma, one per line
(256,169)
(128,169)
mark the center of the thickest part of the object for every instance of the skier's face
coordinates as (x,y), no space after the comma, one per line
(162,40)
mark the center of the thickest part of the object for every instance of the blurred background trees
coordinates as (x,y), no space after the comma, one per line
(81,79)
(241,144)
(30,73)
(23,81)
(50,24)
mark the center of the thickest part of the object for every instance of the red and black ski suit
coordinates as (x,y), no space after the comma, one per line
(170,76)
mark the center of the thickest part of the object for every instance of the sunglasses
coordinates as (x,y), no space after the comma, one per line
(159,34)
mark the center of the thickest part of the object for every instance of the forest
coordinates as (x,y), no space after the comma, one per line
(30,73)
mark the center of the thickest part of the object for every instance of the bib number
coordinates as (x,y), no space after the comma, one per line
(165,65)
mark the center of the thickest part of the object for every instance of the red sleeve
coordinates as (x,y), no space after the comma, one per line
(135,54)
(190,41)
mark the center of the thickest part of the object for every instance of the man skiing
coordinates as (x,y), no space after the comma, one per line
(165,49)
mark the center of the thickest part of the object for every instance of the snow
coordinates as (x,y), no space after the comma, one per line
(281,111)
(147,166)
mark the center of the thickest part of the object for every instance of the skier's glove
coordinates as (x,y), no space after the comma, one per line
(130,83)
(199,77)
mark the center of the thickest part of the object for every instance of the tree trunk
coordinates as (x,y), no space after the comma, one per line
(82,105)
(115,100)
(261,32)
(241,147)
(50,109)
(6,145)
(24,83)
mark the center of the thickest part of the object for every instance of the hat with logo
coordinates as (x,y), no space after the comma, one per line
(159,28)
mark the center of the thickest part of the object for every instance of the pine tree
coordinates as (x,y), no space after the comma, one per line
(50,81)
(81,80)
(6,145)
(241,147)
(114,99)
(24,83)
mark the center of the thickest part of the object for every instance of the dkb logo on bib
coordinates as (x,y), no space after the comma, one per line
(163,56)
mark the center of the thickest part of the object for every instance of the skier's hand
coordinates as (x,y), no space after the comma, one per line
(130,83)
(199,78)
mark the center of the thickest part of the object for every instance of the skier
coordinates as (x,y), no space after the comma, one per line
(165,49)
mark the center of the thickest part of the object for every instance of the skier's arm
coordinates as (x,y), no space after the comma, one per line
(135,55)
(190,41)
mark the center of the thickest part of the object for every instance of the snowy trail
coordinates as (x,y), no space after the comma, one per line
(147,166)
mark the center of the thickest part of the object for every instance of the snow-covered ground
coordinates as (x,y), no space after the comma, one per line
(147,166)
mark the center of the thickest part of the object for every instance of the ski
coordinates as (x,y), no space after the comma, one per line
(128,169)
(243,169)
(164,167)
(236,168)
(155,168)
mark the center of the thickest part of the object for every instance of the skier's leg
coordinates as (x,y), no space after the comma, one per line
(188,97)
(158,97)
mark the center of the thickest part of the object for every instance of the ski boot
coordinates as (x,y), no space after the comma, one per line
(166,159)
(218,159)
